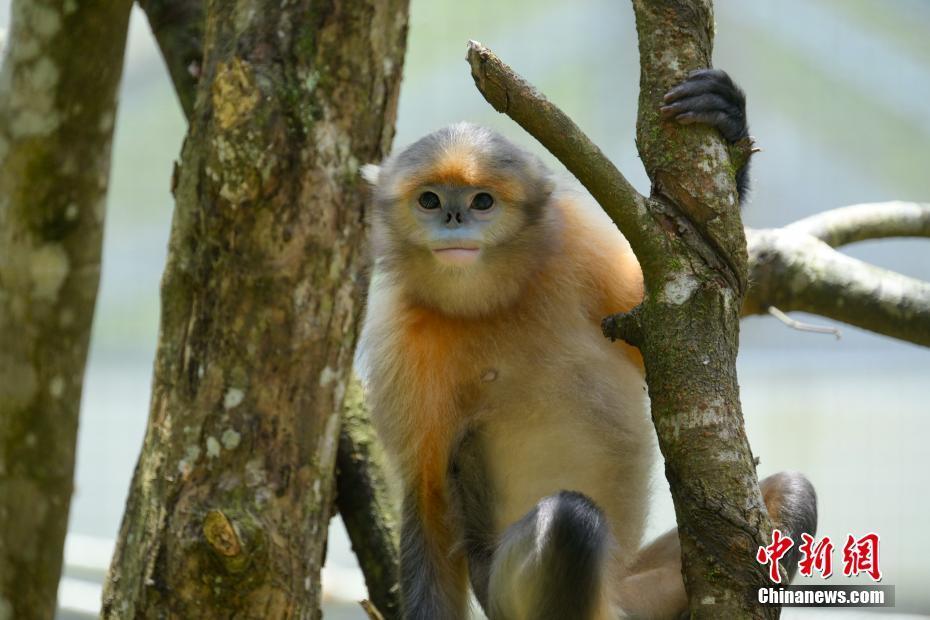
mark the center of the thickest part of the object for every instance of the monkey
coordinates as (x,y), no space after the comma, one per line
(521,436)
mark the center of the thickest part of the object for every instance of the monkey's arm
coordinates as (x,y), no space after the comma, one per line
(709,96)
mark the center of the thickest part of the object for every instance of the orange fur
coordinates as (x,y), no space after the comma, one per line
(456,168)
(437,346)
(607,261)
(537,297)
(432,347)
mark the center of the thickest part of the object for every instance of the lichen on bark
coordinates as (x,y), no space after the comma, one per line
(231,498)
(690,324)
(58,89)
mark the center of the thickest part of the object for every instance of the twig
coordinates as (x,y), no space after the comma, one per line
(371,610)
(801,326)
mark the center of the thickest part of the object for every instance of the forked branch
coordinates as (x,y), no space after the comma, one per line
(790,268)
(793,270)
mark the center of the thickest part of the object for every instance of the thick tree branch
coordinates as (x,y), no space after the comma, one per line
(232,494)
(796,271)
(178,29)
(364,501)
(60,75)
(510,94)
(691,324)
(846,225)
(362,496)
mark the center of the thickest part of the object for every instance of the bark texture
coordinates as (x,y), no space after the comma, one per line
(366,504)
(362,497)
(231,497)
(689,325)
(693,253)
(58,88)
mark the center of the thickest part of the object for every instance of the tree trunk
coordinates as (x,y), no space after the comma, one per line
(362,494)
(57,108)
(688,325)
(231,498)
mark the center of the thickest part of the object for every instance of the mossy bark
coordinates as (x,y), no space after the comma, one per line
(58,90)
(261,297)
(688,325)
(363,497)
(366,503)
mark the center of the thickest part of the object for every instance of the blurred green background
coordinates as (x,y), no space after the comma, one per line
(839,99)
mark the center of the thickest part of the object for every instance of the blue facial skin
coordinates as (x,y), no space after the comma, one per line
(455,222)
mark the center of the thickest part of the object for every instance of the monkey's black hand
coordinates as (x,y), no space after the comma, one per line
(709,96)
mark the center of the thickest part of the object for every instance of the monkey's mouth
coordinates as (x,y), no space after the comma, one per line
(458,256)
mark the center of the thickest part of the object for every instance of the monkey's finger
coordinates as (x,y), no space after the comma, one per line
(730,128)
(706,81)
(716,75)
(701,87)
(701,103)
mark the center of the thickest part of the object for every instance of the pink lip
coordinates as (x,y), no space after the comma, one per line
(457,256)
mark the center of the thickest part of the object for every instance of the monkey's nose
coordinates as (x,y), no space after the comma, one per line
(454,219)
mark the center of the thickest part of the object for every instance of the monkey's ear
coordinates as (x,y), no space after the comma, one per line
(371,172)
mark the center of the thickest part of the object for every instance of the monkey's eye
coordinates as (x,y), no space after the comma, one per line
(429,200)
(482,202)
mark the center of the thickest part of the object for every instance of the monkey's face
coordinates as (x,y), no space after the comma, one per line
(458,217)
(455,226)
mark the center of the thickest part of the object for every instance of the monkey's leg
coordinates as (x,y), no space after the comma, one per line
(552,563)
(655,589)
